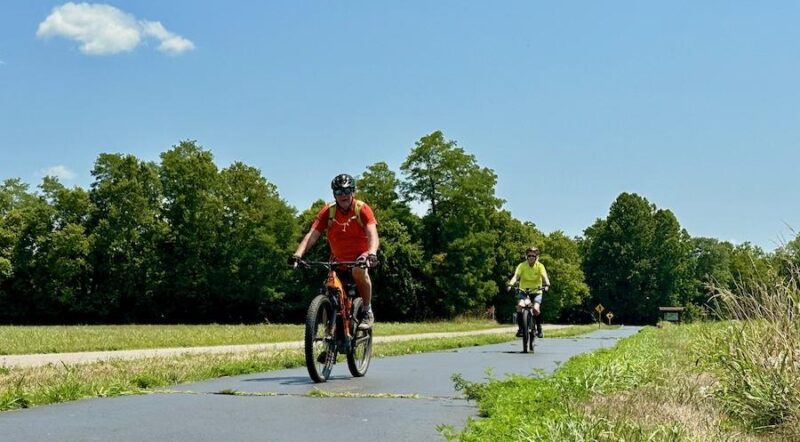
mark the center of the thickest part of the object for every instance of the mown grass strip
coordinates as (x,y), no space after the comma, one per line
(65,339)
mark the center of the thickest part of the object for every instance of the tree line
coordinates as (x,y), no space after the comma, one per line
(182,241)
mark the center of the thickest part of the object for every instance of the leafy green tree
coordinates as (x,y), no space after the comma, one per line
(193,209)
(12,194)
(253,277)
(379,187)
(127,230)
(787,258)
(399,279)
(712,267)
(305,283)
(401,276)
(568,291)
(30,222)
(457,236)
(44,243)
(17,220)
(751,265)
(64,268)
(671,250)
(637,259)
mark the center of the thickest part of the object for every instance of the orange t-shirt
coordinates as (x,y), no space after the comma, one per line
(348,240)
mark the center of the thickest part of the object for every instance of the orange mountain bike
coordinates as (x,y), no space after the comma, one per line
(332,324)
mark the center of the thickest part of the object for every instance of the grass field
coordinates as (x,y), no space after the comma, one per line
(64,339)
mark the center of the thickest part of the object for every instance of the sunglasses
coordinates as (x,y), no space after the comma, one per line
(344,191)
(533,256)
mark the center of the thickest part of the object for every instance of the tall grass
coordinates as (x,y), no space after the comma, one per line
(756,357)
(578,402)
(734,379)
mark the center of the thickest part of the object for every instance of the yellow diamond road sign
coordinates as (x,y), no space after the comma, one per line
(609,315)
(599,308)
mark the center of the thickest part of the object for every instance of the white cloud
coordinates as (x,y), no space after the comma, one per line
(170,43)
(61,172)
(103,29)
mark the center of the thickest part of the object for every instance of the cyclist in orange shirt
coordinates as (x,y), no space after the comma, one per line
(352,234)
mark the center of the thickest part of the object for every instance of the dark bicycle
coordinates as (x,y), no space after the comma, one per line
(332,324)
(525,319)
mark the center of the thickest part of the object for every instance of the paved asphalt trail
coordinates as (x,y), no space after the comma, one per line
(278,408)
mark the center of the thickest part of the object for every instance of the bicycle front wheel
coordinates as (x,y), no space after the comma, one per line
(361,349)
(531,330)
(522,318)
(320,344)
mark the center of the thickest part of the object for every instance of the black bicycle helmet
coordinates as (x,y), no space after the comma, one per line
(343,181)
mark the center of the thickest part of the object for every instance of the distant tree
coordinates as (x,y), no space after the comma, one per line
(253,276)
(637,259)
(561,257)
(401,276)
(24,228)
(64,268)
(13,194)
(193,209)
(399,279)
(787,257)
(305,283)
(457,234)
(44,247)
(712,267)
(127,229)
(379,187)
(751,265)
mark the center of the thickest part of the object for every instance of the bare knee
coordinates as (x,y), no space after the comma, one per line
(361,276)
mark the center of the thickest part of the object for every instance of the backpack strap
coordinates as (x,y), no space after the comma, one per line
(358,205)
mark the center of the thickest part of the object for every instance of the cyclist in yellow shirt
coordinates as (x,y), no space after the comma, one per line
(531,275)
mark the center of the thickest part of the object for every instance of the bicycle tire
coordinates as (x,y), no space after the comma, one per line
(525,314)
(360,353)
(531,330)
(320,314)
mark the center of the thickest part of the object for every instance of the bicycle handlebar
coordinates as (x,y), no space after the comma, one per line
(528,291)
(331,264)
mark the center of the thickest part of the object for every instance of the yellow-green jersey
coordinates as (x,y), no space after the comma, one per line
(530,276)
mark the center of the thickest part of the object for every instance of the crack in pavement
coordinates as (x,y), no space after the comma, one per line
(316,393)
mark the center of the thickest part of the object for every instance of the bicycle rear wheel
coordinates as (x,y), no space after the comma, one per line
(361,348)
(530,330)
(523,316)
(320,345)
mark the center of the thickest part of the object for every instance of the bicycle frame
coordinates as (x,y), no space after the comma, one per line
(343,304)
(342,301)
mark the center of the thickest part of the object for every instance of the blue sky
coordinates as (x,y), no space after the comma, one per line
(693,105)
